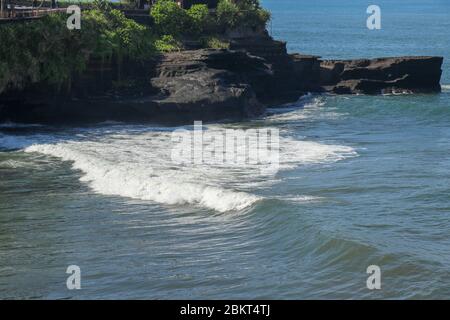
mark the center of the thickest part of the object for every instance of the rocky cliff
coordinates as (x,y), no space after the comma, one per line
(384,75)
(178,87)
(212,85)
(297,73)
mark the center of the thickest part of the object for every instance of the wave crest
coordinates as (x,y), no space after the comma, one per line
(137,164)
(139,182)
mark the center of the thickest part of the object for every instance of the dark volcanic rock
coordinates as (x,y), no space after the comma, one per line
(286,85)
(307,72)
(174,88)
(383,75)
(212,85)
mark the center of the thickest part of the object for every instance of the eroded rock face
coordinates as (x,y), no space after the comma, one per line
(383,75)
(210,84)
(175,88)
(296,74)
(213,85)
(287,83)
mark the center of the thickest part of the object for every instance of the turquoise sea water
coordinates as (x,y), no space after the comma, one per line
(364,180)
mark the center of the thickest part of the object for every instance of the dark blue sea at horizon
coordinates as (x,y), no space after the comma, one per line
(363,180)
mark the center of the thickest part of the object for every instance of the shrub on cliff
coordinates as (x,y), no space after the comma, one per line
(169,18)
(227,14)
(101,5)
(247,4)
(232,14)
(110,34)
(199,19)
(196,22)
(41,50)
(45,50)
(167,43)
(128,37)
(256,18)
(214,43)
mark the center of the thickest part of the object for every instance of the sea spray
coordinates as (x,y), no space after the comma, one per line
(137,164)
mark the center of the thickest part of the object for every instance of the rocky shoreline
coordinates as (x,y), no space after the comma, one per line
(212,85)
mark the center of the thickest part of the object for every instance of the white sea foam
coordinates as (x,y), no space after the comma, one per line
(301,199)
(286,115)
(295,152)
(140,169)
(445,87)
(137,164)
(138,180)
(306,108)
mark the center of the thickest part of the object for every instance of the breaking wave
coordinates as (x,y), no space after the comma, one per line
(135,162)
(139,180)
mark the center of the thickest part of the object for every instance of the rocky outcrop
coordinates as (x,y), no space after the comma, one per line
(307,72)
(383,75)
(286,85)
(174,88)
(212,85)
(295,74)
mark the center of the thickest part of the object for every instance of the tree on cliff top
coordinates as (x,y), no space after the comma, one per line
(247,4)
(171,19)
(200,21)
(235,13)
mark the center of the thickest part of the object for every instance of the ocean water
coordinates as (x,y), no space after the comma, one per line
(363,180)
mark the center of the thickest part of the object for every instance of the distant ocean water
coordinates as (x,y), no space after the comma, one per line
(337,29)
(364,180)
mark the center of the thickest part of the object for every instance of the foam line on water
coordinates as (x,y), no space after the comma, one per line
(140,182)
(137,164)
(303,109)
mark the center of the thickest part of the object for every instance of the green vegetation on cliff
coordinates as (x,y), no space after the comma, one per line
(170,19)
(46,50)
(241,13)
